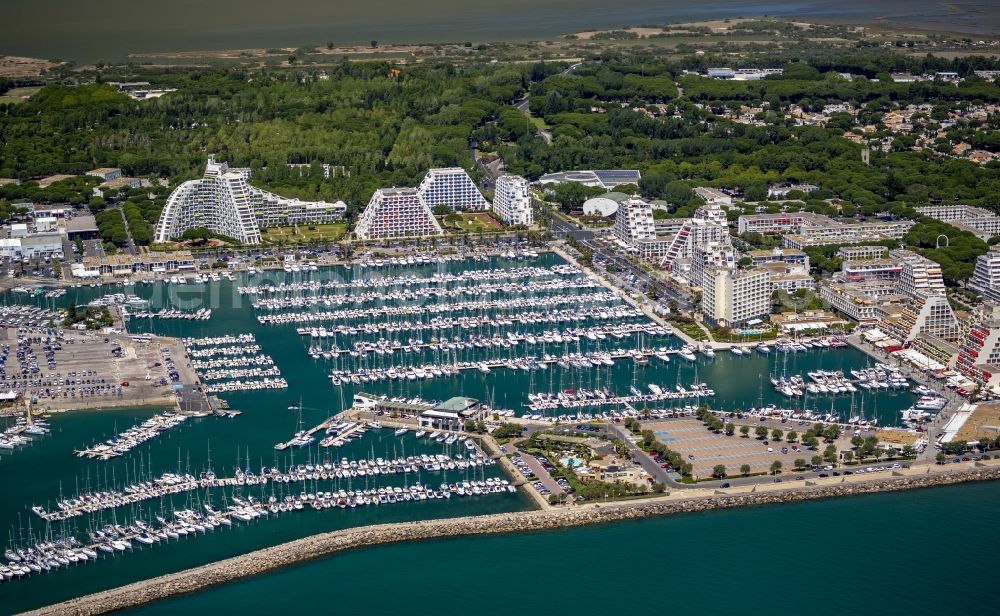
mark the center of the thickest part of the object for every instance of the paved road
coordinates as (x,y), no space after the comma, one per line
(624,267)
(130,244)
(522,106)
(655,470)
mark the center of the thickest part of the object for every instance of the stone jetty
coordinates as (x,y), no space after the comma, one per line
(318,546)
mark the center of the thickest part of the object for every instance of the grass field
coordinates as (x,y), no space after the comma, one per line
(296,234)
(472,223)
(18,95)
(539,122)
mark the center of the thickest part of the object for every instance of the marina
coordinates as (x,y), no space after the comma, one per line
(383,346)
(510,304)
(421,294)
(113,539)
(504,370)
(435,324)
(132,437)
(241,367)
(23,433)
(344,469)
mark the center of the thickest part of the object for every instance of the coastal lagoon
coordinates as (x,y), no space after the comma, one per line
(39,473)
(110,30)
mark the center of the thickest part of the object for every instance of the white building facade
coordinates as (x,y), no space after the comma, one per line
(512,201)
(986,277)
(225,203)
(735,297)
(273,210)
(221,202)
(708,225)
(396,213)
(452,187)
(634,221)
(983,223)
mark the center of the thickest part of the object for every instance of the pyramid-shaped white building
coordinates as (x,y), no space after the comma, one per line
(452,187)
(396,213)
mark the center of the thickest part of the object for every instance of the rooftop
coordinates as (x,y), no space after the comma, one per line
(457,404)
(398,191)
(78,224)
(775,251)
(52,179)
(608,178)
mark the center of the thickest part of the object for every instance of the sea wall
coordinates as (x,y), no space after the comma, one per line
(317,546)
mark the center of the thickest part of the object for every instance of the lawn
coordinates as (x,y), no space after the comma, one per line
(300,233)
(539,122)
(18,95)
(690,329)
(475,222)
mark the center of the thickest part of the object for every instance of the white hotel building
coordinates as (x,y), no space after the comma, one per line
(224,202)
(986,277)
(512,201)
(731,298)
(396,213)
(451,186)
(634,221)
(983,223)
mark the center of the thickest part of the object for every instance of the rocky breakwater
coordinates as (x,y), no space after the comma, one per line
(318,546)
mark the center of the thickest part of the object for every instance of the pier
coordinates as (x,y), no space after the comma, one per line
(322,545)
(440,324)
(132,437)
(589,399)
(423,294)
(177,483)
(306,436)
(241,369)
(594,334)
(111,539)
(412,373)
(343,315)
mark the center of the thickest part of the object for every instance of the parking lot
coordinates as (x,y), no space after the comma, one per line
(704,449)
(536,471)
(62,370)
(35,267)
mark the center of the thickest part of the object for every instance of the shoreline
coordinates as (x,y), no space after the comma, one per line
(319,546)
(28,62)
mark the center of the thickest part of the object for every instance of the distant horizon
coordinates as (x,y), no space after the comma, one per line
(111,30)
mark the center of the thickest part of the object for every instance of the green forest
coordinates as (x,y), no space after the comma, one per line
(617,110)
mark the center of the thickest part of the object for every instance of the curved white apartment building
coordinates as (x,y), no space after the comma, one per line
(224,202)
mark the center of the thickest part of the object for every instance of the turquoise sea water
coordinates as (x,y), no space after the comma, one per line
(36,475)
(904,553)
